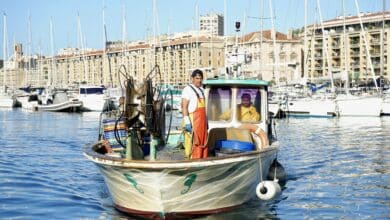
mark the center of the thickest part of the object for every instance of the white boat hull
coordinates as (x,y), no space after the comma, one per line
(68,106)
(92,102)
(191,187)
(311,108)
(359,106)
(6,102)
(27,105)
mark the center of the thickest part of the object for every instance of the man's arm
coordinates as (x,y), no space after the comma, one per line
(186,118)
(184,106)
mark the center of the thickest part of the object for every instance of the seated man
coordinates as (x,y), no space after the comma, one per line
(245,111)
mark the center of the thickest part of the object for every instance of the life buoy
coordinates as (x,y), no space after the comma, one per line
(258,131)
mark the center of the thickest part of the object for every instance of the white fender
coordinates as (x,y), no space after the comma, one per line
(267,190)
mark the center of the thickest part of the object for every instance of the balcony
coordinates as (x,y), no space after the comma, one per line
(375,53)
(355,64)
(354,45)
(355,54)
(336,55)
(375,41)
(336,45)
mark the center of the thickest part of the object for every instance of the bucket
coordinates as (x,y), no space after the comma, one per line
(234,146)
(109,133)
(146,145)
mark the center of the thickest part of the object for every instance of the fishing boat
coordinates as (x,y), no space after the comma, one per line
(147,177)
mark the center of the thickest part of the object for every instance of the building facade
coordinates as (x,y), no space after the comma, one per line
(175,55)
(212,24)
(345,48)
(261,62)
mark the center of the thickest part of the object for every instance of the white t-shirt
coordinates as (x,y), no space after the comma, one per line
(189,94)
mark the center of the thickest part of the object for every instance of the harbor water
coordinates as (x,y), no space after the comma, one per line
(336,168)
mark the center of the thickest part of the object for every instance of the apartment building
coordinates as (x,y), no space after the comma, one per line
(361,52)
(175,55)
(212,24)
(260,48)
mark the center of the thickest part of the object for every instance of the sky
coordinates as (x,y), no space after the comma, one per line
(171,16)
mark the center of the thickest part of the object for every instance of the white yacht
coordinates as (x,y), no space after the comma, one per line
(6,99)
(93,97)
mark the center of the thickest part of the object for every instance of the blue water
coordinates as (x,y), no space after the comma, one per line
(337,168)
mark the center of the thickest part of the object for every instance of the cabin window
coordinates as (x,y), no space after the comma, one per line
(96,90)
(248,105)
(219,101)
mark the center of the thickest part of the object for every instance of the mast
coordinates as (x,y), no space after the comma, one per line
(273,33)
(169,72)
(29,47)
(40,74)
(53,74)
(369,62)
(197,34)
(325,48)
(225,28)
(154,32)
(85,78)
(104,56)
(261,38)
(124,34)
(305,43)
(382,41)
(346,64)
(5,51)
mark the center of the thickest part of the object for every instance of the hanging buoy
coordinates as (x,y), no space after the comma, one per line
(267,190)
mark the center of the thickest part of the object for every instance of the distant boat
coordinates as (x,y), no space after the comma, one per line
(61,102)
(29,97)
(6,99)
(311,107)
(92,97)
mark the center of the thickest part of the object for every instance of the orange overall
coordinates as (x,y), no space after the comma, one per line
(199,128)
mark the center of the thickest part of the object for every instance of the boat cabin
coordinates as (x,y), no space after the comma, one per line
(227,120)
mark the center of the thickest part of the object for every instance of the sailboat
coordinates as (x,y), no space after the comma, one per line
(317,105)
(92,96)
(54,99)
(6,99)
(359,105)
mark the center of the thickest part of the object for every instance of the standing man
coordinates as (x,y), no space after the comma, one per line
(194,117)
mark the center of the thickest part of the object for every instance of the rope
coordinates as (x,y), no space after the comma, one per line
(261,169)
